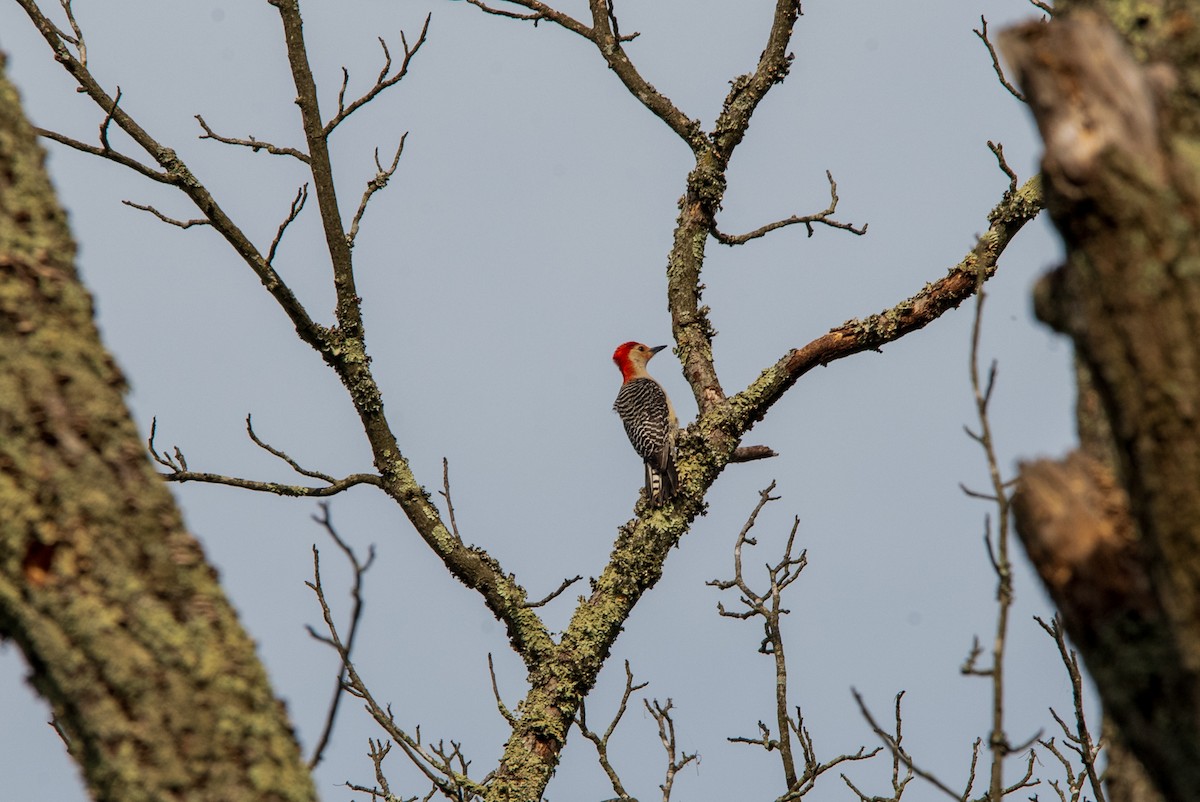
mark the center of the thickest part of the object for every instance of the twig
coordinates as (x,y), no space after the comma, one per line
(377,183)
(751,453)
(77,39)
(293,213)
(997,551)
(1086,749)
(554,594)
(608,43)
(108,119)
(445,493)
(432,761)
(504,711)
(792,733)
(359,569)
(540,11)
(601,741)
(616,27)
(283,455)
(666,736)
(874,331)
(111,155)
(898,783)
(998,150)
(823,217)
(62,736)
(899,753)
(250,142)
(382,81)
(982,33)
(199,221)
(178,472)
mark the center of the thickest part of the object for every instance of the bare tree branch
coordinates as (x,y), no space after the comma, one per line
(106,153)
(503,708)
(998,150)
(982,33)
(601,741)
(898,783)
(377,183)
(871,333)
(666,736)
(108,116)
(998,555)
(436,763)
(174,172)
(185,224)
(1081,737)
(251,142)
(382,81)
(823,217)
(359,569)
(178,472)
(898,752)
(293,212)
(554,594)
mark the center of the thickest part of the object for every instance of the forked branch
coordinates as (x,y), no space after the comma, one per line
(382,81)
(177,471)
(823,217)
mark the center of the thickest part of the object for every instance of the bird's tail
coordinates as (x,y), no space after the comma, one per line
(661,485)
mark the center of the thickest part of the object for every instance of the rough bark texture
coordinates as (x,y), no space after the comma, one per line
(152,680)
(1116,534)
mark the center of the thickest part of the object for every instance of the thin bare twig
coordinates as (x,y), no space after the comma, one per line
(982,33)
(666,736)
(997,551)
(378,182)
(616,26)
(111,155)
(1087,750)
(76,40)
(503,708)
(601,741)
(108,119)
(539,11)
(198,221)
(382,81)
(293,213)
(998,150)
(445,493)
(251,142)
(359,569)
(898,752)
(898,783)
(62,736)
(178,472)
(434,762)
(554,594)
(824,217)
(791,733)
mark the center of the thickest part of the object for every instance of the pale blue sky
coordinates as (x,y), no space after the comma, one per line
(523,237)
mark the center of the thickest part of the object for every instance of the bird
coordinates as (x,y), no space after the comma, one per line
(649,419)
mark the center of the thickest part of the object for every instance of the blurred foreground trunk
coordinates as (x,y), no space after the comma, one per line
(1114,529)
(153,683)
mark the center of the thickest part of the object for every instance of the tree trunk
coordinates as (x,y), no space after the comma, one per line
(1115,530)
(155,687)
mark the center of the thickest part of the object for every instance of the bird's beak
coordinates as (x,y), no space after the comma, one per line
(657,348)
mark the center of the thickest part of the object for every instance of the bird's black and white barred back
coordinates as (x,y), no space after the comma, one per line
(649,420)
(651,427)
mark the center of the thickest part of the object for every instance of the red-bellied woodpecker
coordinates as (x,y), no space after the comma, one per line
(649,420)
